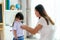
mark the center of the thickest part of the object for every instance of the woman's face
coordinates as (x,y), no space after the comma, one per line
(37,13)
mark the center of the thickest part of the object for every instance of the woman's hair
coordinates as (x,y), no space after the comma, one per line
(20,16)
(42,12)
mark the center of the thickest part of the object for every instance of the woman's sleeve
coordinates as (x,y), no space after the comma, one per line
(42,22)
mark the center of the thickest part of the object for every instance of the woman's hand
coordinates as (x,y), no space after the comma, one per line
(24,26)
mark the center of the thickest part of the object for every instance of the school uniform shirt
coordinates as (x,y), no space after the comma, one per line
(46,31)
(17,27)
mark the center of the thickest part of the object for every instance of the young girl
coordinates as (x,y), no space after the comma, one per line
(17,30)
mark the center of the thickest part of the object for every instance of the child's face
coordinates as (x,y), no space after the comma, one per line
(17,19)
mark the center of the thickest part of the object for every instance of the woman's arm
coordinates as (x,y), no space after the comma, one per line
(31,30)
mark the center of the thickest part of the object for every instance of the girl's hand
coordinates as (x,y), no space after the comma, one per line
(16,38)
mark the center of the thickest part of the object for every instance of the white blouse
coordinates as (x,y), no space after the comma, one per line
(17,27)
(46,31)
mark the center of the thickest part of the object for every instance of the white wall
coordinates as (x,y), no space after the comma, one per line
(13,2)
(57,13)
(1,1)
(24,12)
(8,35)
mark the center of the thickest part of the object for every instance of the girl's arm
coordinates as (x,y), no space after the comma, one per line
(15,35)
(31,30)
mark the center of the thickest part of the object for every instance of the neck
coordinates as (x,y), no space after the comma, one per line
(40,17)
(18,21)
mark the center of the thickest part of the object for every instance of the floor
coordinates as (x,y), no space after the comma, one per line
(31,39)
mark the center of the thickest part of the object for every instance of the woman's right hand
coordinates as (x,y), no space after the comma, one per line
(24,26)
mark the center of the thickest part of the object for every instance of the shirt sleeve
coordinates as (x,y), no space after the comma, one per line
(15,26)
(42,22)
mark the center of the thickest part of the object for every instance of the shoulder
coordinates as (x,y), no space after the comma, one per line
(15,23)
(42,18)
(42,21)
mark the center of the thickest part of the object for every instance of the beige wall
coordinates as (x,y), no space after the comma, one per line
(1,31)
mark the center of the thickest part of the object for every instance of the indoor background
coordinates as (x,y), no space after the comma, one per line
(52,8)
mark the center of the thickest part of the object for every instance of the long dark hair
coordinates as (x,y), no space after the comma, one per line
(42,12)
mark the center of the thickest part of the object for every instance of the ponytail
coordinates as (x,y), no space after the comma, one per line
(51,21)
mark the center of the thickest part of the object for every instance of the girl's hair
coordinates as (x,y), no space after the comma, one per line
(42,12)
(20,16)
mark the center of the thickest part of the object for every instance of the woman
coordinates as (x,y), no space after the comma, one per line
(44,25)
